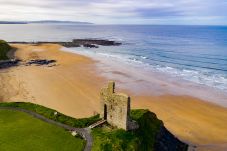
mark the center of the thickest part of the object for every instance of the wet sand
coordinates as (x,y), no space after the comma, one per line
(72,87)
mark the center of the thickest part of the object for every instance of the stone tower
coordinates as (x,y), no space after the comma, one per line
(115,108)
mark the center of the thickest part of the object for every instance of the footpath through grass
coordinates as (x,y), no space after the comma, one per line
(106,139)
(51,114)
(22,132)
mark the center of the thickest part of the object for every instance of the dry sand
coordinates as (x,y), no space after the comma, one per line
(190,119)
(72,87)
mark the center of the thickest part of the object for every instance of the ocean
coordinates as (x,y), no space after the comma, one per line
(197,54)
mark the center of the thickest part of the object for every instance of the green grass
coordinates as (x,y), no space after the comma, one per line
(113,139)
(4,48)
(143,139)
(149,128)
(106,139)
(21,132)
(49,113)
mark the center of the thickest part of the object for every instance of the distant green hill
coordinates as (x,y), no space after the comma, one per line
(4,49)
(59,22)
(46,22)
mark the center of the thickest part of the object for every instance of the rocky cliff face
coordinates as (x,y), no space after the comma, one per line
(165,141)
(153,135)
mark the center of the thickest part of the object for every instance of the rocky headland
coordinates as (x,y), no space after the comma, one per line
(88,43)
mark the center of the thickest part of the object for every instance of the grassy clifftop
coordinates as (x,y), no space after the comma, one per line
(4,49)
(150,127)
(143,139)
(151,136)
(50,114)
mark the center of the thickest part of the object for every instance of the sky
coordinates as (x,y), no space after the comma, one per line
(186,12)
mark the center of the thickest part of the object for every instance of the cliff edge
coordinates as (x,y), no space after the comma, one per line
(4,49)
(150,136)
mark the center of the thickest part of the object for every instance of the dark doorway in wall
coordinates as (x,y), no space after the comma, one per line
(105,112)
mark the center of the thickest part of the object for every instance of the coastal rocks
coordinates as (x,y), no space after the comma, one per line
(153,134)
(65,44)
(9,63)
(88,43)
(90,46)
(40,62)
(16,62)
(165,141)
(96,42)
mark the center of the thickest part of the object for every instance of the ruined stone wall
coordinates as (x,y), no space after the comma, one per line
(116,106)
(117,114)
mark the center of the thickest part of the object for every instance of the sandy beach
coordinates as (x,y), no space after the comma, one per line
(72,87)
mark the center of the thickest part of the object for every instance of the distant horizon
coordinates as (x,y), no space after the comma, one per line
(90,23)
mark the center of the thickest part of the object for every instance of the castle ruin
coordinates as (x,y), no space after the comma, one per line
(115,108)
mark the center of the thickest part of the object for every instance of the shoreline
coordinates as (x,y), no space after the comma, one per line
(139,80)
(73,85)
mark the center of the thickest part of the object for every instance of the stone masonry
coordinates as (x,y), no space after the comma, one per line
(115,108)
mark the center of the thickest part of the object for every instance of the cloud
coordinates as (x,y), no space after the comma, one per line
(116,11)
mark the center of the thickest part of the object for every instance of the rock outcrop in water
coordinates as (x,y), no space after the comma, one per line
(96,42)
(88,43)
(90,46)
